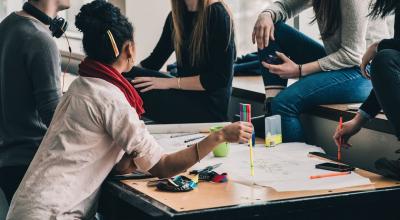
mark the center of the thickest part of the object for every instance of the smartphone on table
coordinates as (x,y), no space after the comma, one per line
(334,167)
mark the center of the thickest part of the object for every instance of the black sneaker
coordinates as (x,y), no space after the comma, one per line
(388,168)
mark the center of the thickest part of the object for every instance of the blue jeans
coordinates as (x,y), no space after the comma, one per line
(247,65)
(333,87)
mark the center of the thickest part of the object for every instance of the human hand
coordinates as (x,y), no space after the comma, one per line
(146,84)
(368,56)
(287,70)
(237,132)
(264,30)
(349,129)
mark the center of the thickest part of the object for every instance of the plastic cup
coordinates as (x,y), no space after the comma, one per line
(222,150)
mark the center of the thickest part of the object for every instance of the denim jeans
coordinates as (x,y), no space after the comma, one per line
(333,87)
(247,65)
(385,76)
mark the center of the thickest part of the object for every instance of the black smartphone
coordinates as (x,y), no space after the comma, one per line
(334,167)
(273,59)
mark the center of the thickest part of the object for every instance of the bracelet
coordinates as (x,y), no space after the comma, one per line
(179,83)
(197,152)
(270,12)
(300,71)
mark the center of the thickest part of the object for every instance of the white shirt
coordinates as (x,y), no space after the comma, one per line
(92,128)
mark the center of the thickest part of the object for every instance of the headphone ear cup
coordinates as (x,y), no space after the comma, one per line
(58,27)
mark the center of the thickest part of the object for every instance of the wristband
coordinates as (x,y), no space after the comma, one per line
(300,71)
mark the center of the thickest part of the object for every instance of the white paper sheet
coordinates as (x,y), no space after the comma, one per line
(286,167)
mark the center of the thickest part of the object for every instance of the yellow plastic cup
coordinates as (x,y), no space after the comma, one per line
(221,150)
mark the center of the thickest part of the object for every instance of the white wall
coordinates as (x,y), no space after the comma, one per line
(148,17)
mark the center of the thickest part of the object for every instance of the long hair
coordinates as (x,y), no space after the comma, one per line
(328,13)
(382,8)
(198,42)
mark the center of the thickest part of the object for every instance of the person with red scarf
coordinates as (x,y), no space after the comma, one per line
(97,128)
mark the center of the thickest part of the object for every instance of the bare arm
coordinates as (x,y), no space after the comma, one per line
(175,163)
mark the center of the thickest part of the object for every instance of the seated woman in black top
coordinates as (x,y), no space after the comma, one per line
(385,76)
(201,34)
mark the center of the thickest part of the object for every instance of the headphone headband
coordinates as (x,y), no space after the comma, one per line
(58,25)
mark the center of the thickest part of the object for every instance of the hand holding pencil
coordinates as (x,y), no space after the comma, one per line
(245,115)
(347,130)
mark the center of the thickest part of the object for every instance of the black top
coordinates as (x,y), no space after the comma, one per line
(216,72)
(29,87)
(371,106)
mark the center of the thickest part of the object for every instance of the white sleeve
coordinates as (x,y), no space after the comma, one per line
(123,124)
(287,9)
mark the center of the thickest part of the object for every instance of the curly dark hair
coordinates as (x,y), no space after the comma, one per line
(383,8)
(93,20)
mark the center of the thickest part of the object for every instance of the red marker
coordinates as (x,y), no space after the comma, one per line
(329,175)
(339,153)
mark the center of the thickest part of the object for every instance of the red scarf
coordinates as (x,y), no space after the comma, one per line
(92,68)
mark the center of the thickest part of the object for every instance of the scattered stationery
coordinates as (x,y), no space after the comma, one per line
(182,135)
(193,139)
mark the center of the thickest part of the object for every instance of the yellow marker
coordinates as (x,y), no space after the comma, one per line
(251,158)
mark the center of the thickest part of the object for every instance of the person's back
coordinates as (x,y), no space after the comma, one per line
(29,89)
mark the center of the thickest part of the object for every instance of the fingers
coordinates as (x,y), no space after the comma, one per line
(337,136)
(282,56)
(142,85)
(244,140)
(246,135)
(246,127)
(364,71)
(272,35)
(260,38)
(141,80)
(276,69)
(253,36)
(367,74)
(147,89)
(267,32)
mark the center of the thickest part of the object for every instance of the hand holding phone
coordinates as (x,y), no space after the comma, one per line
(273,59)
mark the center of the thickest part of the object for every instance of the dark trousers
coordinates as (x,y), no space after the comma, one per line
(10,178)
(385,76)
(174,106)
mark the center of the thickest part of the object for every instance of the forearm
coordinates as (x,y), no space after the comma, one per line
(187,83)
(360,119)
(310,68)
(175,163)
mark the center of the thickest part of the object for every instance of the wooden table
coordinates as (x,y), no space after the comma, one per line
(133,199)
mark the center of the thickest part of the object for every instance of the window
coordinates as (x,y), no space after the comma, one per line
(71,13)
(245,15)
(9,6)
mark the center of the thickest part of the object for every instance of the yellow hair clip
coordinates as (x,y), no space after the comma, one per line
(113,43)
